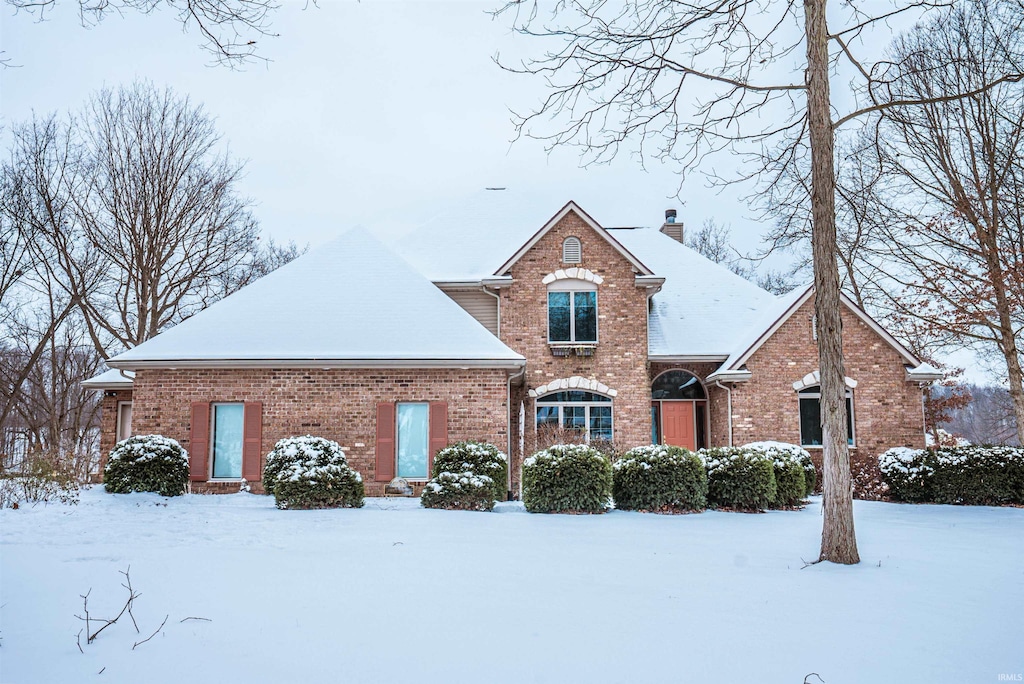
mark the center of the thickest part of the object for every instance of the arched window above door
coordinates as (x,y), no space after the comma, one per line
(677,384)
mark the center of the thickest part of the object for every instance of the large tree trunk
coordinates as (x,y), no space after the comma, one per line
(838,540)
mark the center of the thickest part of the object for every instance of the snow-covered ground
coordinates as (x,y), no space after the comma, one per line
(393,592)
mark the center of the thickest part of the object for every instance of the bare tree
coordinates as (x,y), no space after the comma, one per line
(230,29)
(137,210)
(953,237)
(713,241)
(678,81)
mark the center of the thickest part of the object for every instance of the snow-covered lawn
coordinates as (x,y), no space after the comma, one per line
(393,592)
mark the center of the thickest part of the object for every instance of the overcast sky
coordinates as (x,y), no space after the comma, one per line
(373,113)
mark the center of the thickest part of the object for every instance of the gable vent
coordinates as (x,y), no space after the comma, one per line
(572,251)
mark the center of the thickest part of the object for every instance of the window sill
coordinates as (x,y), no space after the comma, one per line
(819,447)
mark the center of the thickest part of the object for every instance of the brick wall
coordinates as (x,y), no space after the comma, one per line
(338,404)
(887,409)
(620,360)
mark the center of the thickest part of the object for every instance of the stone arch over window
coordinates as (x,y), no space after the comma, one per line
(814,379)
(808,389)
(574,383)
(677,384)
(573,274)
(572,251)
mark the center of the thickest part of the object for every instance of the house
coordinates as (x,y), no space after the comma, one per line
(507,321)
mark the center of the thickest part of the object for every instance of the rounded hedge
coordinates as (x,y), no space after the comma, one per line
(793,452)
(739,478)
(147,463)
(790,463)
(968,475)
(567,478)
(311,472)
(478,458)
(466,491)
(659,478)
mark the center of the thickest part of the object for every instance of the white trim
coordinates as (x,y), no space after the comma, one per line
(573,207)
(321,363)
(575,382)
(687,358)
(863,316)
(730,376)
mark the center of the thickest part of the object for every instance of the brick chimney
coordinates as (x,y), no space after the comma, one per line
(671,228)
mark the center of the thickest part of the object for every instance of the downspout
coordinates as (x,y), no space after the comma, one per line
(508,430)
(728,401)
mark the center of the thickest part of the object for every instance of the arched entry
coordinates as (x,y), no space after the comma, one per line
(679,410)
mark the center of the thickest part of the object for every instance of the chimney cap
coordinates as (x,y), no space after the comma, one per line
(670,216)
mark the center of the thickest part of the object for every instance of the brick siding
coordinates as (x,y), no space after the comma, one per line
(338,404)
(620,359)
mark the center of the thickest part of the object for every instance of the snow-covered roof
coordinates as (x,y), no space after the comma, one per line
(702,308)
(351,303)
(111,379)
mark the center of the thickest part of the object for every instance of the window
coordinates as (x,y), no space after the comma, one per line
(227,441)
(124,420)
(572,251)
(413,444)
(585,412)
(810,416)
(677,384)
(572,316)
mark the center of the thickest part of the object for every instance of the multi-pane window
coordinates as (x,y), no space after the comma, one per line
(413,444)
(572,316)
(810,417)
(585,412)
(227,441)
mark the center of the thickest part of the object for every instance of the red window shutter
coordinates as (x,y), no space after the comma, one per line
(438,430)
(252,441)
(385,461)
(199,442)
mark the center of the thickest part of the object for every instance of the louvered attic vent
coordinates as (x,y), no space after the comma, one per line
(572,251)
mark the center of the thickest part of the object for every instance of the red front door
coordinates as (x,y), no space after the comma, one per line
(677,424)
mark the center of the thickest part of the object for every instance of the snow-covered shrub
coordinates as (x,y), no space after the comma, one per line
(908,473)
(659,478)
(970,475)
(478,458)
(567,478)
(311,472)
(42,477)
(147,463)
(783,451)
(739,478)
(466,491)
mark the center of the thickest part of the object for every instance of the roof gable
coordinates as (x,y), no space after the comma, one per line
(775,316)
(572,207)
(350,302)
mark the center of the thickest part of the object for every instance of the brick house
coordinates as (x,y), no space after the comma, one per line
(504,323)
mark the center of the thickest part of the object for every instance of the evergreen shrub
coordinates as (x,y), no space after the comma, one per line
(147,463)
(793,467)
(739,478)
(466,491)
(478,458)
(567,478)
(311,472)
(659,478)
(969,475)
